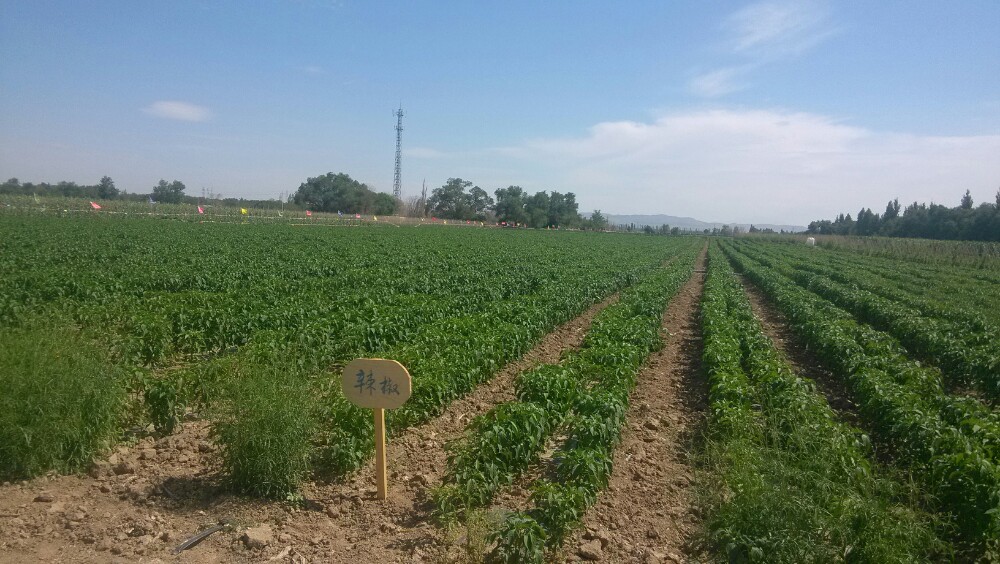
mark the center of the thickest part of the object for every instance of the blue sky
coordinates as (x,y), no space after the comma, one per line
(775,111)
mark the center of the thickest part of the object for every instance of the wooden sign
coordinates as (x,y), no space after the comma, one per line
(378,384)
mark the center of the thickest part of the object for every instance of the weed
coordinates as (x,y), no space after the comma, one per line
(61,404)
(265,427)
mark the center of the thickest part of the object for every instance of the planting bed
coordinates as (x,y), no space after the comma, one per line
(576,396)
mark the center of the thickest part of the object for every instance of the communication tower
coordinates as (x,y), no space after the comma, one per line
(397,181)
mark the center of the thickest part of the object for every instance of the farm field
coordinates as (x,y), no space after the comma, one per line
(575,396)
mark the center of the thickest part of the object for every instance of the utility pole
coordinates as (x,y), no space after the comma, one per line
(397,182)
(423,199)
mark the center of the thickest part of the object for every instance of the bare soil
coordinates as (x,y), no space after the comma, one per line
(145,499)
(648,513)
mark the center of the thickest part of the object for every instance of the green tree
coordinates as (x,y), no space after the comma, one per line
(341,193)
(510,204)
(537,209)
(868,222)
(597,221)
(967,201)
(450,201)
(563,210)
(481,202)
(383,204)
(106,188)
(168,193)
(891,210)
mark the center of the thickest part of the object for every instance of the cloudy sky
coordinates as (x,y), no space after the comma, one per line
(775,111)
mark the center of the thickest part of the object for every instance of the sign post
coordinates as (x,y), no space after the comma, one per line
(378,384)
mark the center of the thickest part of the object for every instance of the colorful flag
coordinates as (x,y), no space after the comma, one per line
(308,213)
(243,211)
(201,209)
(95,205)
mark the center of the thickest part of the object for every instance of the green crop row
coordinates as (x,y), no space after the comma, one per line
(977,420)
(969,292)
(505,441)
(786,481)
(447,359)
(950,443)
(964,310)
(587,396)
(966,356)
(183,312)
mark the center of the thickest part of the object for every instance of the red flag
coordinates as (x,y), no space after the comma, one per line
(95,205)
(201,209)
(308,213)
(357,216)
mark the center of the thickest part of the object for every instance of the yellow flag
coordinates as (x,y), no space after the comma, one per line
(243,211)
(375,217)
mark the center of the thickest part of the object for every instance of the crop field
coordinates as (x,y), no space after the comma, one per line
(576,395)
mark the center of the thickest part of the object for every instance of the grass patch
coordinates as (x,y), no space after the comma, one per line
(61,401)
(773,505)
(265,427)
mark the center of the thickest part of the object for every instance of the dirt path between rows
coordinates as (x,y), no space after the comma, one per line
(803,362)
(147,498)
(648,512)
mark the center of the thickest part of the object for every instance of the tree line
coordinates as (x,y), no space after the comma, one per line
(104,190)
(966,222)
(511,205)
(457,199)
(164,192)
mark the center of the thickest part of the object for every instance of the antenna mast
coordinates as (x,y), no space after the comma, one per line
(397,184)
(423,199)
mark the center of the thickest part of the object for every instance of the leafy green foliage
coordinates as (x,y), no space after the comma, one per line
(520,540)
(949,442)
(61,400)
(161,398)
(265,428)
(339,192)
(586,396)
(784,480)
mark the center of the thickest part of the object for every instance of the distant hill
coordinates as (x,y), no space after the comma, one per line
(691,223)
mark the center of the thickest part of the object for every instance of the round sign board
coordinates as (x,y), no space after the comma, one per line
(376,383)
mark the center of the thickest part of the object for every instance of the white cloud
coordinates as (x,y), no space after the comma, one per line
(778,27)
(760,166)
(764,33)
(718,82)
(314,70)
(182,111)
